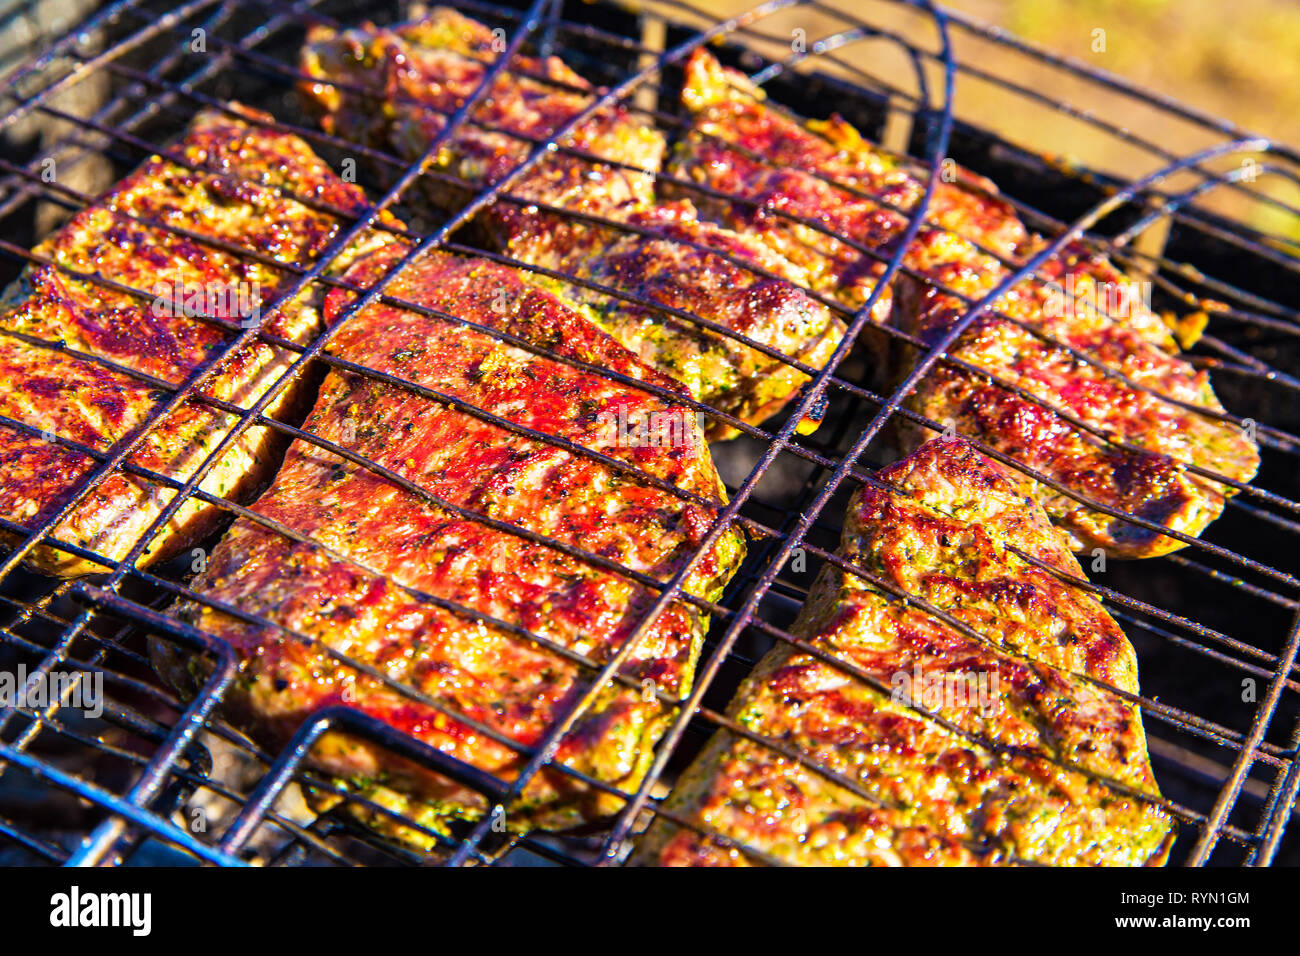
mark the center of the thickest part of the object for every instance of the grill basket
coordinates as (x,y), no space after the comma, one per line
(155,779)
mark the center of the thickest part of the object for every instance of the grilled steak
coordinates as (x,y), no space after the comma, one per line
(826,172)
(821,172)
(937,525)
(385,540)
(706,271)
(395,87)
(236,192)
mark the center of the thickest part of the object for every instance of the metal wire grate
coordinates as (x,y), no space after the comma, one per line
(129,785)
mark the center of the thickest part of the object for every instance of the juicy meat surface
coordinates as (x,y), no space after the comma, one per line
(416,73)
(237,191)
(395,89)
(385,540)
(826,172)
(681,262)
(936,525)
(822,172)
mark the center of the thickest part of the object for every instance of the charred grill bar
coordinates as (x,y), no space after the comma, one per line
(155,778)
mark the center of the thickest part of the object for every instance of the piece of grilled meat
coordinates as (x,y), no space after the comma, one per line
(395,87)
(825,172)
(1081,306)
(673,259)
(937,526)
(384,539)
(234,185)
(814,174)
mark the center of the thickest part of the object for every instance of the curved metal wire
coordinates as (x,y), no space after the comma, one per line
(831,465)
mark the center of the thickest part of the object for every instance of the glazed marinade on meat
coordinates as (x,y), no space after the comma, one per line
(815,172)
(826,172)
(382,539)
(237,187)
(681,262)
(395,87)
(938,525)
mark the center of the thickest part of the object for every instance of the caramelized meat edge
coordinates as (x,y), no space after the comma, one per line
(937,526)
(380,541)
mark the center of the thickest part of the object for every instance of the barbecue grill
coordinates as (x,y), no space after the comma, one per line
(155,779)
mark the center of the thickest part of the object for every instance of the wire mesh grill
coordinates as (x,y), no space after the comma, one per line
(1208,621)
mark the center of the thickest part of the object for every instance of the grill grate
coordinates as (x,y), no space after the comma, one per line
(134,784)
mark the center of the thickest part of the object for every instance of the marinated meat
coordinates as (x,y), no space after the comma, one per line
(825,172)
(395,88)
(676,260)
(1142,469)
(239,191)
(385,541)
(937,526)
(822,172)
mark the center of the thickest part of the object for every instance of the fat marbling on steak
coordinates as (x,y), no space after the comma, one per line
(238,188)
(480,670)
(394,87)
(938,526)
(826,172)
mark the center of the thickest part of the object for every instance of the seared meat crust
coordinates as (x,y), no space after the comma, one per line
(394,88)
(824,171)
(697,267)
(419,72)
(243,202)
(481,671)
(1149,479)
(937,526)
